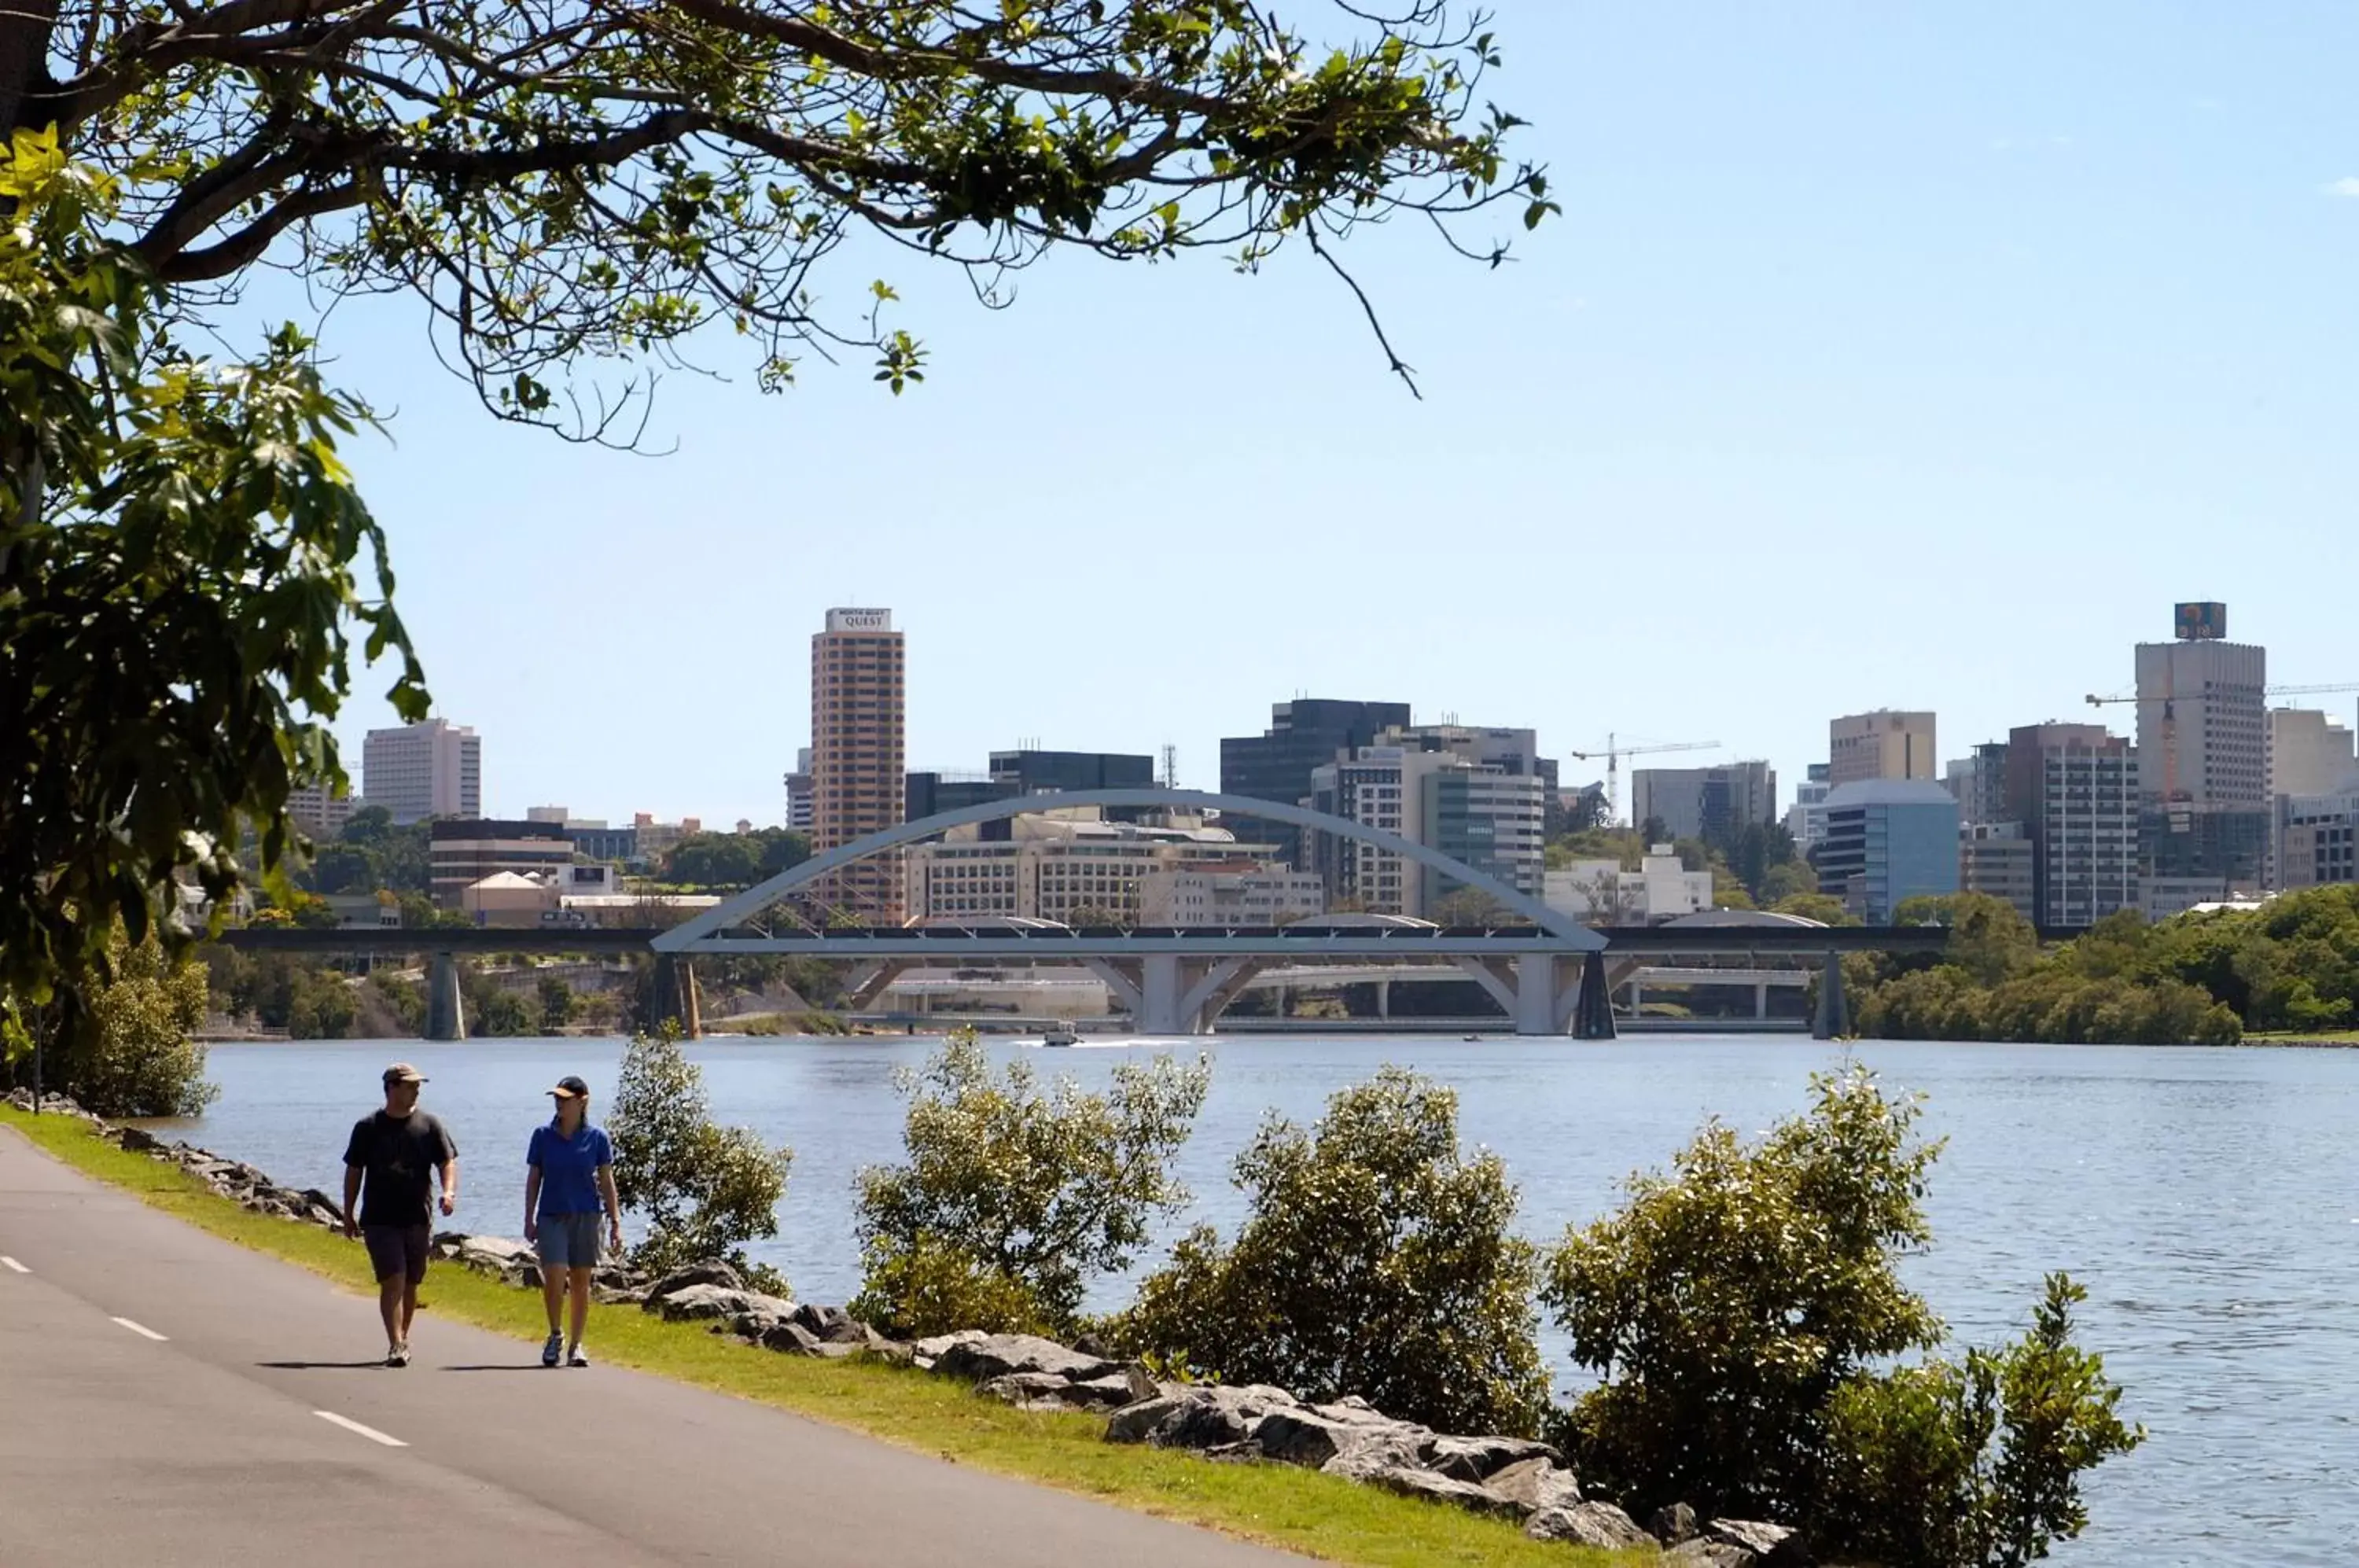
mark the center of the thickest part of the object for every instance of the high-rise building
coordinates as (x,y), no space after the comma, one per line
(1999,859)
(430,768)
(1881,744)
(858,699)
(319,812)
(2318,838)
(1807,818)
(2075,788)
(1033,772)
(799,791)
(1500,748)
(1710,804)
(1379,786)
(1978,781)
(1303,734)
(1493,821)
(2311,756)
(1888,839)
(2202,744)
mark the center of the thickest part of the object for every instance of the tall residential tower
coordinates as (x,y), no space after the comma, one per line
(858,700)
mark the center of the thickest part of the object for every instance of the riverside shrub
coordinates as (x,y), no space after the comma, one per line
(1376,1259)
(1742,1314)
(703,1189)
(1974,1465)
(1012,1197)
(134,1056)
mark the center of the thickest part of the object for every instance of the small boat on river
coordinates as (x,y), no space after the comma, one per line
(1059,1034)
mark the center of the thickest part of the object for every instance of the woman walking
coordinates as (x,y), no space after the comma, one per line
(570,1179)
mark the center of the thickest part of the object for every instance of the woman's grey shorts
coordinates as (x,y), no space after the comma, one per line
(569,1241)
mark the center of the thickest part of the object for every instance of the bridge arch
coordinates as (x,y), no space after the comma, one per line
(686,936)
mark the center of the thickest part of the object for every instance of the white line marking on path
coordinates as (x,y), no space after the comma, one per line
(350,1426)
(142,1330)
(12,1264)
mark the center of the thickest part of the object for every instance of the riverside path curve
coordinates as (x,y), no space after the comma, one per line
(170,1398)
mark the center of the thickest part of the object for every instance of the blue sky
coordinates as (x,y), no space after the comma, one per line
(1882,357)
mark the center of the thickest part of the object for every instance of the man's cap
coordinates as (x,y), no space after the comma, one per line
(570,1088)
(403,1073)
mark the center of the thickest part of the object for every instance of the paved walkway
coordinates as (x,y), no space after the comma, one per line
(170,1398)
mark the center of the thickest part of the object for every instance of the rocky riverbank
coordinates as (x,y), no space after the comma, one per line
(1513,1478)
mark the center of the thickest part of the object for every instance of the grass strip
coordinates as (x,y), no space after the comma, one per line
(1278,1505)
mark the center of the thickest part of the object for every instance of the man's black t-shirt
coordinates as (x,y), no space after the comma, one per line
(398,1156)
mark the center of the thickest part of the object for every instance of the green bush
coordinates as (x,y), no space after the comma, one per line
(1377,1260)
(1742,1313)
(704,1190)
(924,1287)
(135,1058)
(1725,1304)
(1975,1466)
(1038,1191)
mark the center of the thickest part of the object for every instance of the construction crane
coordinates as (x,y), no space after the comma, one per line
(1614,752)
(2171,719)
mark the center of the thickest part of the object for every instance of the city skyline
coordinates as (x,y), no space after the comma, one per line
(1875,361)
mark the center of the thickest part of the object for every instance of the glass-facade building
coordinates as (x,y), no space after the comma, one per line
(1888,840)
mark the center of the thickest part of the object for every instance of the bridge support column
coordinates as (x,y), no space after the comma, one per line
(1535,994)
(676,999)
(1161,989)
(1761,998)
(1385,999)
(1593,1012)
(1833,1019)
(1638,996)
(446,1013)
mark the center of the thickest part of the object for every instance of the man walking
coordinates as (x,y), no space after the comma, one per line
(398,1151)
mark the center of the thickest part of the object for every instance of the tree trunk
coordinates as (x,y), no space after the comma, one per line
(25,85)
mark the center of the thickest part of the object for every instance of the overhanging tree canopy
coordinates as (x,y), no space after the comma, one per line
(572,179)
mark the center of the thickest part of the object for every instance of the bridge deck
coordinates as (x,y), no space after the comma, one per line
(959,942)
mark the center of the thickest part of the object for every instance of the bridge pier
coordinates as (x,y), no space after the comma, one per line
(446,1012)
(1593,1010)
(676,997)
(1535,994)
(1760,999)
(1385,1000)
(1833,1019)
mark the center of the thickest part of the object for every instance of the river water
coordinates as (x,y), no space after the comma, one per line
(2204,1197)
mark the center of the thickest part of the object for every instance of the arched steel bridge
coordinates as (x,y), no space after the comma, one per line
(1548,974)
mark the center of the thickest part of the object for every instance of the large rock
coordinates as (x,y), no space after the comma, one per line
(697,1302)
(831,1323)
(1378,1450)
(493,1253)
(135,1140)
(1587,1524)
(1535,1484)
(1701,1554)
(1199,1416)
(1772,1545)
(791,1338)
(711,1271)
(1004,1354)
(1674,1524)
(1437,1488)
(1307,1438)
(1480,1458)
(1028,1390)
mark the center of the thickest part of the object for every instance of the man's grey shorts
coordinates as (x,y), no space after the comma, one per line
(569,1241)
(397,1250)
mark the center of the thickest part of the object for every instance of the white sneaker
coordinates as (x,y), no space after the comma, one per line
(579,1358)
(397,1356)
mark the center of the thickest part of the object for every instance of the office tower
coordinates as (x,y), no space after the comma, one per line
(430,768)
(1881,744)
(1303,734)
(2075,788)
(1887,841)
(1712,803)
(2203,746)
